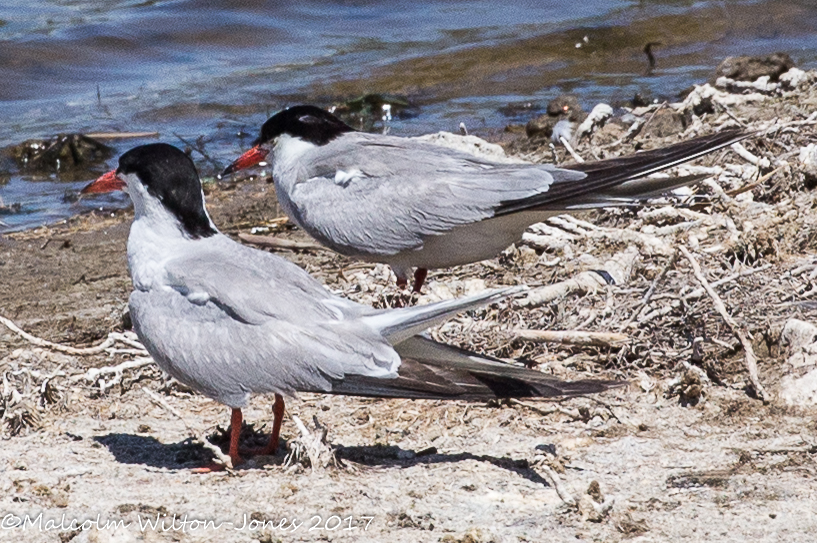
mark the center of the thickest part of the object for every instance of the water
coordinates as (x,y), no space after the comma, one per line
(215,69)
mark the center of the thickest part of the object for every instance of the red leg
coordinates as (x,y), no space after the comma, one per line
(278,417)
(420,275)
(235,432)
(278,414)
(402,283)
(236,418)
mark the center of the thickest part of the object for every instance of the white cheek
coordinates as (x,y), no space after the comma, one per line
(287,149)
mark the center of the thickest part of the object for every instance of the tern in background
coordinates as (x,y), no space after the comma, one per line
(230,321)
(416,205)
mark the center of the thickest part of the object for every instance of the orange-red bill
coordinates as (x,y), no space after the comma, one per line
(247,160)
(105,183)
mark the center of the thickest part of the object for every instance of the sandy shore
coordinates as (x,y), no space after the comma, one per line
(686,453)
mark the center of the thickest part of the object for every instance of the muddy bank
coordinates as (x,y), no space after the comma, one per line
(686,453)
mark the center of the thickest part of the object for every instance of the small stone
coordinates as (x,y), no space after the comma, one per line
(666,122)
(594,491)
(691,386)
(746,68)
(630,526)
(609,133)
(797,334)
(566,104)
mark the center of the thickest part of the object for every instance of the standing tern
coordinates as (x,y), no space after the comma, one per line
(413,204)
(229,321)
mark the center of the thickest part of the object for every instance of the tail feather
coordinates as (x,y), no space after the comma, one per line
(604,175)
(431,370)
(397,325)
(630,193)
(652,187)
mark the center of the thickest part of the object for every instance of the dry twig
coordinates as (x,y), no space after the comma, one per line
(648,296)
(314,445)
(697,293)
(751,361)
(39,342)
(619,267)
(121,135)
(93,375)
(273,242)
(554,480)
(573,337)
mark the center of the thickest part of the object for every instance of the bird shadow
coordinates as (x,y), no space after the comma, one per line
(394,456)
(149,451)
(186,454)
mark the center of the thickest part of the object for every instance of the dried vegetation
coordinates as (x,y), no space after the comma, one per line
(692,298)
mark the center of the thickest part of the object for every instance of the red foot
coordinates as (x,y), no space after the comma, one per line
(235,431)
(213,467)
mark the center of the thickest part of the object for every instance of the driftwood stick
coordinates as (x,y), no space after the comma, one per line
(128,338)
(651,244)
(572,337)
(554,480)
(570,150)
(746,155)
(95,373)
(751,360)
(752,186)
(273,242)
(121,135)
(39,342)
(315,444)
(620,267)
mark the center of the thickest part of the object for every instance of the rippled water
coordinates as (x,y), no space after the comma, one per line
(212,69)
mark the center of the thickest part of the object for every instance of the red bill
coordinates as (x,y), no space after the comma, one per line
(247,160)
(105,183)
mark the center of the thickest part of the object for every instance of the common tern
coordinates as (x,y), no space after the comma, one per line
(230,321)
(413,204)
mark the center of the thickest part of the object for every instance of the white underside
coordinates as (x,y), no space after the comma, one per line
(465,244)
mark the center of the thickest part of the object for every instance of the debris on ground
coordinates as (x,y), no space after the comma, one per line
(703,299)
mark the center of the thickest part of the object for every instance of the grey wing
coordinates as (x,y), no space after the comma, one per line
(253,286)
(227,330)
(374,195)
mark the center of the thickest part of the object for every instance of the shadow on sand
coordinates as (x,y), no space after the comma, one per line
(146,450)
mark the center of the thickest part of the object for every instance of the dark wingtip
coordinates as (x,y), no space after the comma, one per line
(594,386)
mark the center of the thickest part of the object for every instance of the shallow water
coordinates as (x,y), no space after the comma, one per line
(189,68)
